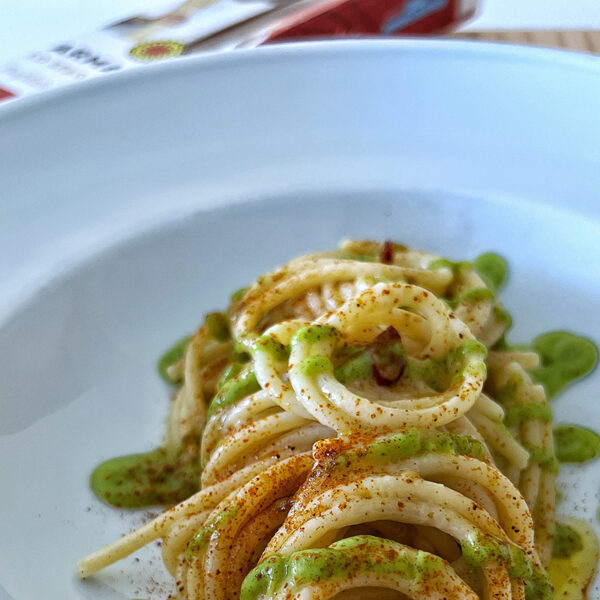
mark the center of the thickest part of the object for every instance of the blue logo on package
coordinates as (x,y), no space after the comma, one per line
(412,11)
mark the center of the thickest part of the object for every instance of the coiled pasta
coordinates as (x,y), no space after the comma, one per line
(358,429)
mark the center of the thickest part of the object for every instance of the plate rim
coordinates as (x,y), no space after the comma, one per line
(462,49)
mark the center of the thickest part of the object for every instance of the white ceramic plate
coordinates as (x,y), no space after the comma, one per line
(131,205)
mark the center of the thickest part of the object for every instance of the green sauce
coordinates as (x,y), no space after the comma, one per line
(468,347)
(240,356)
(472,296)
(565,358)
(444,263)
(242,385)
(485,549)
(492,269)
(348,557)
(230,372)
(507,394)
(386,357)
(238,295)
(545,459)
(202,536)
(520,566)
(347,352)
(313,365)
(272,346)
(501,345)
(138,480)
(539,586)
(316,333)
(527,411)
(414,443)
(503,316)
(357,368)
(566,541)
(171,356)
(518,413)
(217,325)
(401,445)
(574,444)
(367,554)
(433,372)
(439,374)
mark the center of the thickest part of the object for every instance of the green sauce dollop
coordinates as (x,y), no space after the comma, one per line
(444,263)
(517,414)
(315,333)
(272,346)
(472,296)
(574,444)
(438,374)
(413,443)
(218,326)
(171,356)
(492,269)
(539,586)
(503,316)
(238,295)
(241,385)
(566,541)
(544,458)
(485,549)
(565,358)
(202,536)
(230,372)
(150,479)
(313,365)
(357,368)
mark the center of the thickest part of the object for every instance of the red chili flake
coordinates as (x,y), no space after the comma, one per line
(158,50)
(388,366)
(387,253)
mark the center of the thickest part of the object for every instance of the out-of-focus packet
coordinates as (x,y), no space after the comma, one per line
(181,29)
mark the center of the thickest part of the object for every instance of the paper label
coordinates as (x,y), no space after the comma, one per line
(198,25)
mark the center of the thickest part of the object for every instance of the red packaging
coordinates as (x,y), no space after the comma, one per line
(339,18)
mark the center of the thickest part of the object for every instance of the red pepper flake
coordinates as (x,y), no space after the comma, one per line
(387,253)
(387,366)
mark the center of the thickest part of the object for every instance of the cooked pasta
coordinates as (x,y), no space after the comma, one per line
(353,426)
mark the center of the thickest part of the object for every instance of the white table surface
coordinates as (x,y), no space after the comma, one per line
(27,25)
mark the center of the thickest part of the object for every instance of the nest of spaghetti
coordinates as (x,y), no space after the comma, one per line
(356,421)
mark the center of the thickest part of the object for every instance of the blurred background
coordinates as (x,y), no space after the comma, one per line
(51,44)
(27,25)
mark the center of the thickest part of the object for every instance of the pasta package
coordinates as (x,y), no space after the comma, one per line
(355,425)
(200,25)
(373,17)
